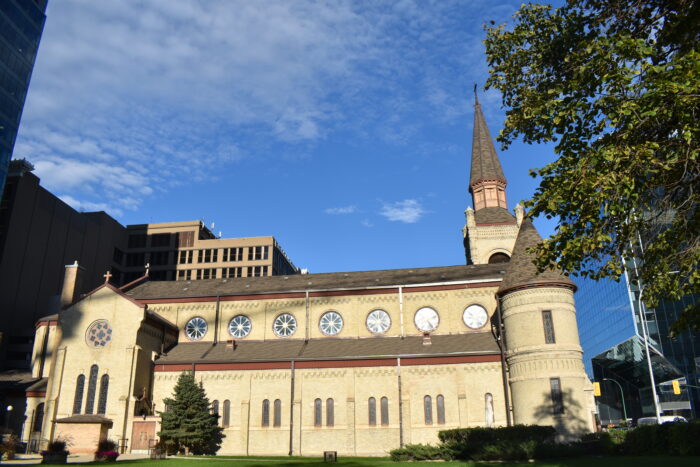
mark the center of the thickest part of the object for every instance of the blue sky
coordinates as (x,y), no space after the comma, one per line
(343,128)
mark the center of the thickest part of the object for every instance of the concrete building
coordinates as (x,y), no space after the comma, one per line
(21,25)
(353,362)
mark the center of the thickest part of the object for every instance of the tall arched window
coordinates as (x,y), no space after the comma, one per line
(78,399)
(102,401)
(266,413)
(215,407)
(428,410)
(38,417)
(440,402)
(330,415)
(385,410)
(226,419)
(372,408)
(92,388)
(488,410)
(277,421)
(317,413)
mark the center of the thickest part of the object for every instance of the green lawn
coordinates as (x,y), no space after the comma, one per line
(369,461)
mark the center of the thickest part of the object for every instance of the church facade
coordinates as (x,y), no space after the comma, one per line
(358,362)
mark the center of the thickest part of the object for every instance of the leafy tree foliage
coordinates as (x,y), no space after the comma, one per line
(187,424)
(615,84)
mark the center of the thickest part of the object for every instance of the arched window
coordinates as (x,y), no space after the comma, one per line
(499,258)
(488,410)
(226,419)
(385,411)
(38,417)
(278,413)
(92,388)
(102,401)
(330,419)
(317,412)
(428,410)
(215,408)
(266,413)
(372,408)
(78,399)
(440,401)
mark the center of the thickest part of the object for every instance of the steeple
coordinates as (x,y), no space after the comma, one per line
(487,184)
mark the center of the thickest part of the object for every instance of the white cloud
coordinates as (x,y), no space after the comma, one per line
(366,223)
(409,211)
(341,210)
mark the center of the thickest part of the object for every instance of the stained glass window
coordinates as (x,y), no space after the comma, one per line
(92,388)
(317,412)
(372,408)
(277,421)
(440,401)
(79,388)
(196,328)
(330,412)
(99,334)
(557,397)
(102,402)
(215,407)
(284,325)
(428,410)
(548,327)
(331,323)
(385,411)
(266,413)
(378,322)
(226,419)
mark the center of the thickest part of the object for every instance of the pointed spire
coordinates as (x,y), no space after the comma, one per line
(521,270)
(485,163)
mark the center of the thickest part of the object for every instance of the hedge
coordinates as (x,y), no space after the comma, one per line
(668,439)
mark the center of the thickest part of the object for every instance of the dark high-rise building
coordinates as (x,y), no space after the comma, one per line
(21,25)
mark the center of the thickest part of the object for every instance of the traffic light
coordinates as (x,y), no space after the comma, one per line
(596,389)
(676,386)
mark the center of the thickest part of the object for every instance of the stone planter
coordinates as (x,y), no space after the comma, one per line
(54,457)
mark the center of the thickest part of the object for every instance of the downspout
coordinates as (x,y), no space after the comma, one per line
(216,321)
(398,372)
(44,348)
(500,339)
(401,315)
(58,394)
(306,338)
(291,415)
(128,397)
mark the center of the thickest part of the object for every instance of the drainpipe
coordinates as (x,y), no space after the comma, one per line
(216,321)
(401,315)
(398,372)
(500,339)
(306,337)
(291,415)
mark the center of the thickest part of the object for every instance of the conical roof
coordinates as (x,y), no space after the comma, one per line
(485,162)
(522,271)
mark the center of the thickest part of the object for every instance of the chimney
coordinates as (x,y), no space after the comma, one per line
(231,345)
(72,283)
(426,339)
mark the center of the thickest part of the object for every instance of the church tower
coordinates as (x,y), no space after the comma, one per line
(490,230)
(548,382)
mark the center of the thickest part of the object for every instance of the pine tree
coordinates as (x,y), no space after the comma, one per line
(187,424)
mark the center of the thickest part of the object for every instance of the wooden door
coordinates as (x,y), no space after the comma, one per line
(142,435)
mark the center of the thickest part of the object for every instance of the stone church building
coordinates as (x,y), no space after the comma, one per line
(357,362)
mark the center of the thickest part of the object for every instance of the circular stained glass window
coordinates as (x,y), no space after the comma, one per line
(240,326)
(99,334)
(475,316)
(331,323)
(196,328)
(284,325)
(426,319)
(378,322)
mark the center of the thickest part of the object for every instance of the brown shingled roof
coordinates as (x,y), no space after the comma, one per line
(324,281)
(521,270)
(86,418)
(485,163)
(494,215)
(331,349)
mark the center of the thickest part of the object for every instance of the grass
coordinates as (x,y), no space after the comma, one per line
(386,462)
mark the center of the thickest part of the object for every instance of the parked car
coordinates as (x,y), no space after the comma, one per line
(664,419)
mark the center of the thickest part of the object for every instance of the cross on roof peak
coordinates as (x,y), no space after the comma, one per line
(107,276)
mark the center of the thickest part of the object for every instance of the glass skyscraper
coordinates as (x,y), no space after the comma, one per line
(21,25)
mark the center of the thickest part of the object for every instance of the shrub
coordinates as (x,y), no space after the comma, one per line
(515,442)
(417,452)
(106,445)
(506,451)
(551,450)
(675,439)
(57,445)
(9,446)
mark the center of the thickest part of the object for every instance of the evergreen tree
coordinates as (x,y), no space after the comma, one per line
(187,424)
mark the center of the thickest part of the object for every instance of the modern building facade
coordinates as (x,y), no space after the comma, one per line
(21,25)
(612,327)
(354,362)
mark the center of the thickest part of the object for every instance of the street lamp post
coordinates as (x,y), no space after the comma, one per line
(622,396)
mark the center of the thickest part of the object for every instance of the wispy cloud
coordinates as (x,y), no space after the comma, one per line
(341,210)
(366,223)
(409,211)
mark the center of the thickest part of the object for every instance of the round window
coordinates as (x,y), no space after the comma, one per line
(284,325)
(99,334)
(196,328)
(426,319)
(475,316)
(240,326)
(378,322)
(331,323)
